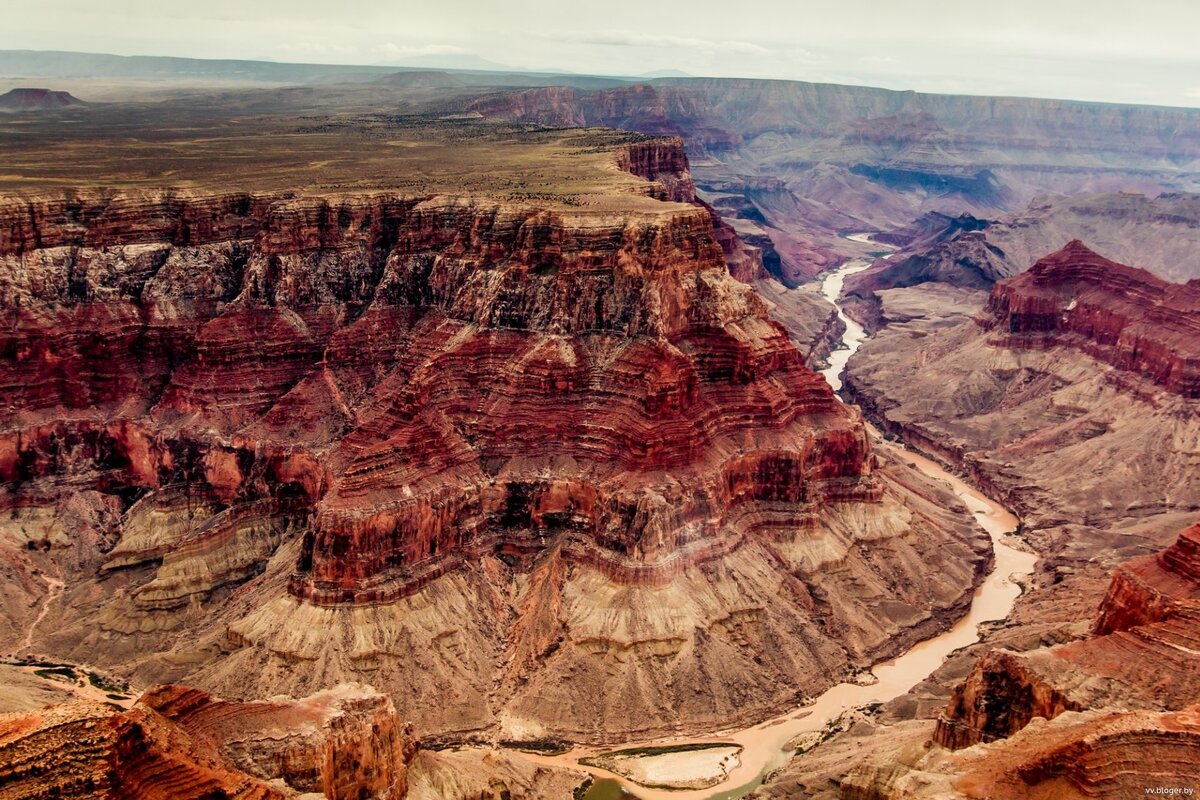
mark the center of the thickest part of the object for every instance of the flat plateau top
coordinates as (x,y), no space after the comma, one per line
(194,146)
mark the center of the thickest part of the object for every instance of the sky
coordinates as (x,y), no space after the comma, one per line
(1108,50)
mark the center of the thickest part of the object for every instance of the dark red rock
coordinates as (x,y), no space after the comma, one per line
(428,379)
(1121,315)
(1142,655)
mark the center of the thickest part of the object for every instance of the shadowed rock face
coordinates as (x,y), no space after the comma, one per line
(26,99)
(520,457)
(1142,656)
(179,743)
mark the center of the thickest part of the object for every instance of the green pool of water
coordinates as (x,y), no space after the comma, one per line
(606,789)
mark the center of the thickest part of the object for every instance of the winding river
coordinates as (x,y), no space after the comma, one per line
(764,745)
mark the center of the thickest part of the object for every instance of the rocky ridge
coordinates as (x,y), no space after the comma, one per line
(1110,369)
(804,163)
(1120,315)
(1158,232)
(1109,714)
(180,743)
(1150,616)
(1020,413)
(547,462)
(30,99)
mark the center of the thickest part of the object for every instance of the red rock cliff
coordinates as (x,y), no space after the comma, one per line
(1142,656)
(179,743)
(665,164)
(424,379)
(1118,314)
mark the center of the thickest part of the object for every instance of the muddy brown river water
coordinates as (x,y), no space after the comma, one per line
(763,745)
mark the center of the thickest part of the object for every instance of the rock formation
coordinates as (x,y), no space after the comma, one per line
(26,99)
(1087,429)
(1112,714)
(1141,656)
(843,158)
(1159,233)
(1076,756)
(178,743)
(542,459)
(1122,316)
(1107,380)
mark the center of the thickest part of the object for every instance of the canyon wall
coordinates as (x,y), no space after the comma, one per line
(1110,714)
(1148,617)
(179,743)
(1160,233)
(1122,316)
(803,163)
(1065,391)
(522,456)
(1077,361)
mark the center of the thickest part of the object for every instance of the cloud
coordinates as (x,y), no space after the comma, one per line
(650,40)
(319,47)
(391,49)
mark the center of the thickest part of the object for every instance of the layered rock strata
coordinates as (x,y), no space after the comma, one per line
(1078,755)
(814,161)
(179,743)
(1112,714)
(489,452)
(1148,625)
(1120,315)
(1080,360)
(1159,233)
(1094,443)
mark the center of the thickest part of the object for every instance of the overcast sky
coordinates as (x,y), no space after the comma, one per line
(1116,50)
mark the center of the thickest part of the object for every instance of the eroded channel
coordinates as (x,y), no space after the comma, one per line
(764,747)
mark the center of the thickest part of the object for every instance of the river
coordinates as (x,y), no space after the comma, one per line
(763,745)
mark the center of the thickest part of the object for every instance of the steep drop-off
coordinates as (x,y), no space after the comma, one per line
(536,466)
(1111,714)
(179,743)
(1159,233)
(1150,616)
(802,163)
(1068,397)
(1079,361)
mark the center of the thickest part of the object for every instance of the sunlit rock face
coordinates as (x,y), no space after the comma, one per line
(521,457)
(1121,315)
(1150,614)
(179,742)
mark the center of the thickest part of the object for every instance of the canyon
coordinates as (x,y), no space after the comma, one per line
(494,435)
(1077,360)
(799,164)
(516,439)
(178,742)
(956,259)
(1110,714)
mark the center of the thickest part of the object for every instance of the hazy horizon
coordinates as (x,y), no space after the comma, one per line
(1102,51)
